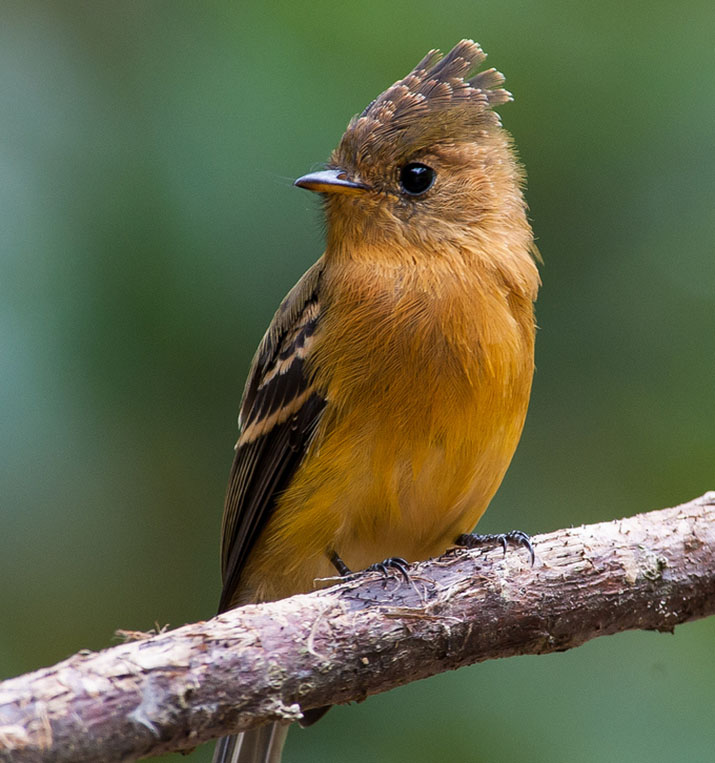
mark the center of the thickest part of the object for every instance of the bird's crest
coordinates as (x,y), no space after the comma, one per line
(441,99)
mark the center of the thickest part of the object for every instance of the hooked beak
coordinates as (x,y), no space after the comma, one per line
(330,181)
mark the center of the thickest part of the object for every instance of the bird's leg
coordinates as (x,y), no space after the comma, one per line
(393,563)
(517,537)
(339,564)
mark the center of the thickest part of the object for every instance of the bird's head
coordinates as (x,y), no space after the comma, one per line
(427,163)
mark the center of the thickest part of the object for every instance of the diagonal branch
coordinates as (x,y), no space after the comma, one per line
(260,663)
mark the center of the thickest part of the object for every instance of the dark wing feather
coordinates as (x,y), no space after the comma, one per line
(279,413)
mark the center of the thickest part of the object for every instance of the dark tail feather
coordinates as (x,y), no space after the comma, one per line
(260,745)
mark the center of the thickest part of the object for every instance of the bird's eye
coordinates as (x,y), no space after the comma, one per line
(416,178)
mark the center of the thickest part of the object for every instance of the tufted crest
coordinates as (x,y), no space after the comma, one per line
(441,99)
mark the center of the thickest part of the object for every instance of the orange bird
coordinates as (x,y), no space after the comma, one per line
(387,397)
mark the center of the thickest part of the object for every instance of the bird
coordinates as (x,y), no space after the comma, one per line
(387,397)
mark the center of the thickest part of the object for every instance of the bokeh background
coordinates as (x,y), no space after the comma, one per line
(148,230)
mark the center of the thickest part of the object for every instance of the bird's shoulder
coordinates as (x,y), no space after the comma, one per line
(277,382)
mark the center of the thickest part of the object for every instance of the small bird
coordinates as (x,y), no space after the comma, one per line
(387,397)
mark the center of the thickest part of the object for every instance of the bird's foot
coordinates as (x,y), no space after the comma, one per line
(515,537)
(393,563)
(384,567)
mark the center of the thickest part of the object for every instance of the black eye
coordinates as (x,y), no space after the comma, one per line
(416,178)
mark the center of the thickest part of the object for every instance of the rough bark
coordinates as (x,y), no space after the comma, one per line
(260,663)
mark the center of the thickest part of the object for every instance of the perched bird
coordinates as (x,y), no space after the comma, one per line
(388,395)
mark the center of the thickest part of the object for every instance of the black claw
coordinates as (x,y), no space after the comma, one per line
(393,563)
(383,567)
(517,537)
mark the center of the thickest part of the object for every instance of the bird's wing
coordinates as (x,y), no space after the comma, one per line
(279,413)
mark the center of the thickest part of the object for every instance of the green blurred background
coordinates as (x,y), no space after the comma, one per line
(148,230)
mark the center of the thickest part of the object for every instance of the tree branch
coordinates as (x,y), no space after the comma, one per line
(263,663)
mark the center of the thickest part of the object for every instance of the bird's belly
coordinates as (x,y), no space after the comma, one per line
(384,493)
(424,496)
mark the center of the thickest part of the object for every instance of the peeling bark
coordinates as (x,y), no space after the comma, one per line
(262,663)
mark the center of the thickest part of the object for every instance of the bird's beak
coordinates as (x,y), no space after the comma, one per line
(330,181)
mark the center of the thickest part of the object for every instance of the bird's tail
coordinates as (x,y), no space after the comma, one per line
(260,745)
